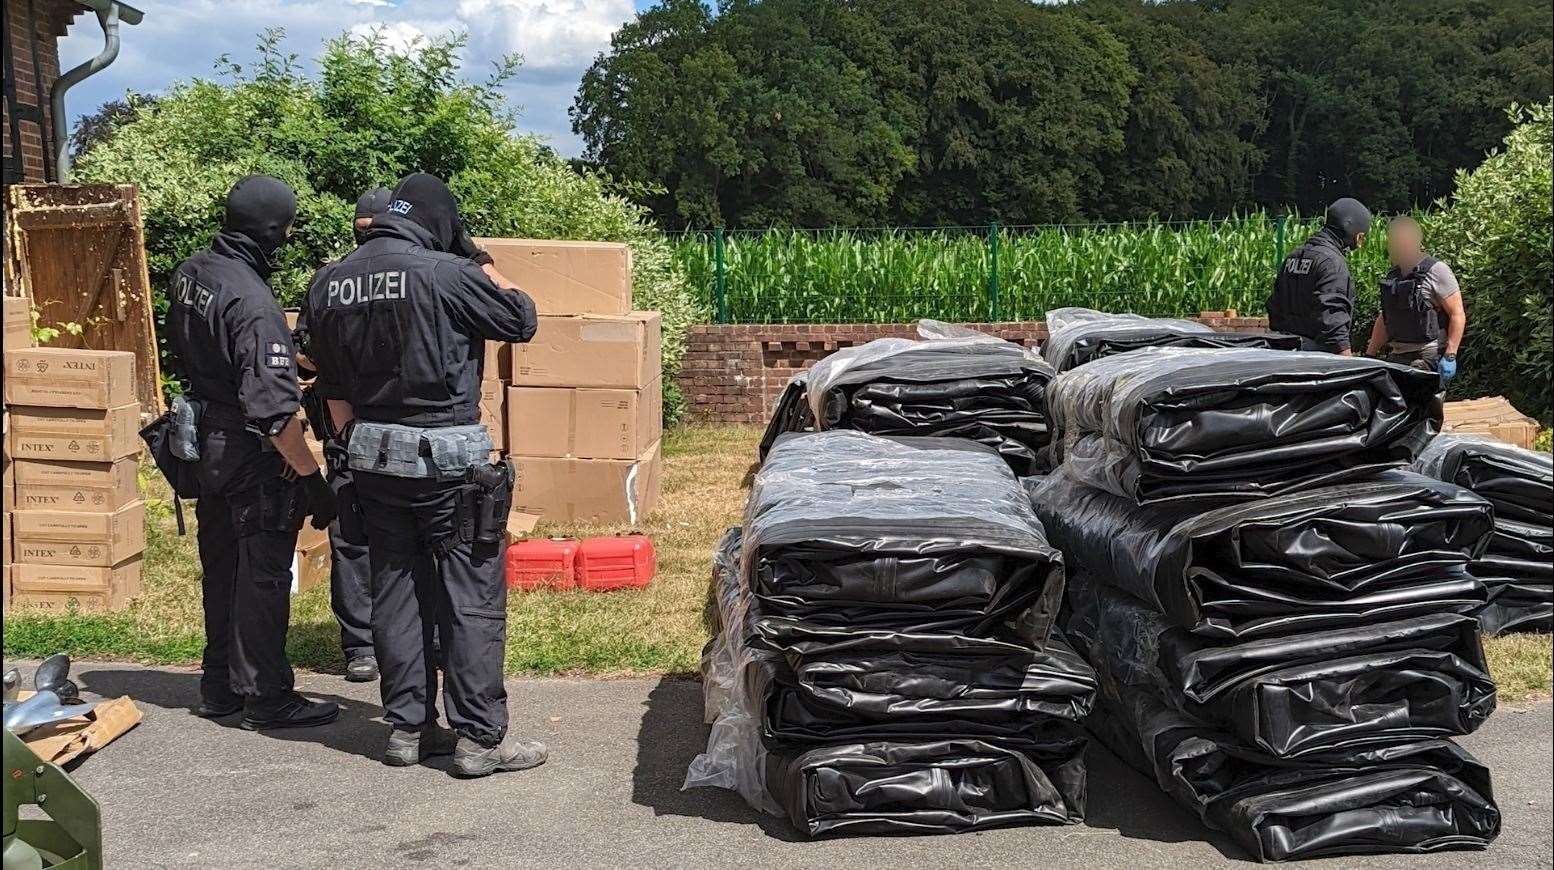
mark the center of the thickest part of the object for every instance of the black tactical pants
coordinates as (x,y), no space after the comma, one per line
(350,572)
(426,579)
(247,540)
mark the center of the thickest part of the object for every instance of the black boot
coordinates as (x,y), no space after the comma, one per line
(219,708)
(290,710)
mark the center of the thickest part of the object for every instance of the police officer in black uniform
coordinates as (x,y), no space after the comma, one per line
(1313,295)
(256,478)
(398,330)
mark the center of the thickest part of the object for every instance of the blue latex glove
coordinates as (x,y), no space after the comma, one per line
(1448,370)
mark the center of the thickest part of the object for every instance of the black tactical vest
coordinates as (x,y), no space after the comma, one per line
(1408,304)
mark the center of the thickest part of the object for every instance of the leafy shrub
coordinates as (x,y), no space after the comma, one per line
(1495,233)
(369,117)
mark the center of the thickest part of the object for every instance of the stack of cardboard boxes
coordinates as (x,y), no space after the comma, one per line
(583,402)
(72,435)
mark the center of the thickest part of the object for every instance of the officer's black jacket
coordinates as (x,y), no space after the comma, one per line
(228,337)
(398,329)
(1313,295)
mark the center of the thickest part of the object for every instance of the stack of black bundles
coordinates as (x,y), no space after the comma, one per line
(970,386)
(1079,335)
(885,660)
(1291,668)
(1518,568)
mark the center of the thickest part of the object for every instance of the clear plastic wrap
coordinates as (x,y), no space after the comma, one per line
(925,534)
(971,386)
(1079,335)
(1518,567)
(1163,423)
(1357,553)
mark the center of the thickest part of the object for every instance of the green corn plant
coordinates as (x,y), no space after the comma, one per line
(898,275)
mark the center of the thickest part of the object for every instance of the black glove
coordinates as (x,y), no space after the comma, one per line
(321,499)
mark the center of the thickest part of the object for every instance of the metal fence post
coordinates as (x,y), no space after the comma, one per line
(1278,243)
(992,272)
(720,279)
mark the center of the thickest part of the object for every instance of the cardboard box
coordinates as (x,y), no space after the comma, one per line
(592,351)
(44,484)
(18,323)
(8,488)
(75,434)
(60,377)
(310,537)
(81,735)
(585,423)
(498,364)
(493,402)
(587,490)
(1492,417)
(57,587)
(69,538)
(565,277)
(310,567)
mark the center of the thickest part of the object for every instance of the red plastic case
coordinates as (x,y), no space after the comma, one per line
(620,562)
(542,563)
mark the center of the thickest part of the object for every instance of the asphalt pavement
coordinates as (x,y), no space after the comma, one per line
(179,791)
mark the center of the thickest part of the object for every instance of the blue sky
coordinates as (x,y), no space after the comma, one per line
(180,39)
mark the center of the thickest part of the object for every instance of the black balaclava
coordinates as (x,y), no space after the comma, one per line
(261,208)
(370,205)
(425,200)
(1348,217)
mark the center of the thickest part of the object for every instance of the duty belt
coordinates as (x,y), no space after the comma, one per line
(442,453)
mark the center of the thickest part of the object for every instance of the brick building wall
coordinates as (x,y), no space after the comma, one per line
(732,373)
(32,28)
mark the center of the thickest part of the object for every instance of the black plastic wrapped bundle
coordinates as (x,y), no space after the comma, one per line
(1163,423)
(1078,336)
(1518,567)
(1349,554)
(1385,796)
(833,685)
(1314,693)
(929,787)
(910,534)
(979,388)
(1385,793)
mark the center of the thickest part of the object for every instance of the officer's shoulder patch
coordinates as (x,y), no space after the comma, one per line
(277,361)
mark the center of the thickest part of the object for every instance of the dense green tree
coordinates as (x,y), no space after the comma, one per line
(827,112)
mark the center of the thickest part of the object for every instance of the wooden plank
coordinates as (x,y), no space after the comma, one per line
(79,250)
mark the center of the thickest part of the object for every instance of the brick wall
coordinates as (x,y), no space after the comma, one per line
(31,67)
(733,373)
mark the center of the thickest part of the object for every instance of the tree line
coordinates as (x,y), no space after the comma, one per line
(763,113)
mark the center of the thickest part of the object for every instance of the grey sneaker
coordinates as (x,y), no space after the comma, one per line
(472,759)
(407,747)
(362,669)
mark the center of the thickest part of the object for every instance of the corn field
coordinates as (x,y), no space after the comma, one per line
(899,275)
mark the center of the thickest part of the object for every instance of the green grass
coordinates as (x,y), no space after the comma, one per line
(659,630)
(656,630)
(895,276)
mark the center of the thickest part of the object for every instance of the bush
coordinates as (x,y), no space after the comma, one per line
(1495,234)
(369,117)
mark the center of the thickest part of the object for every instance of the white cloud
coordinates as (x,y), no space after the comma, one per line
(180,39)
